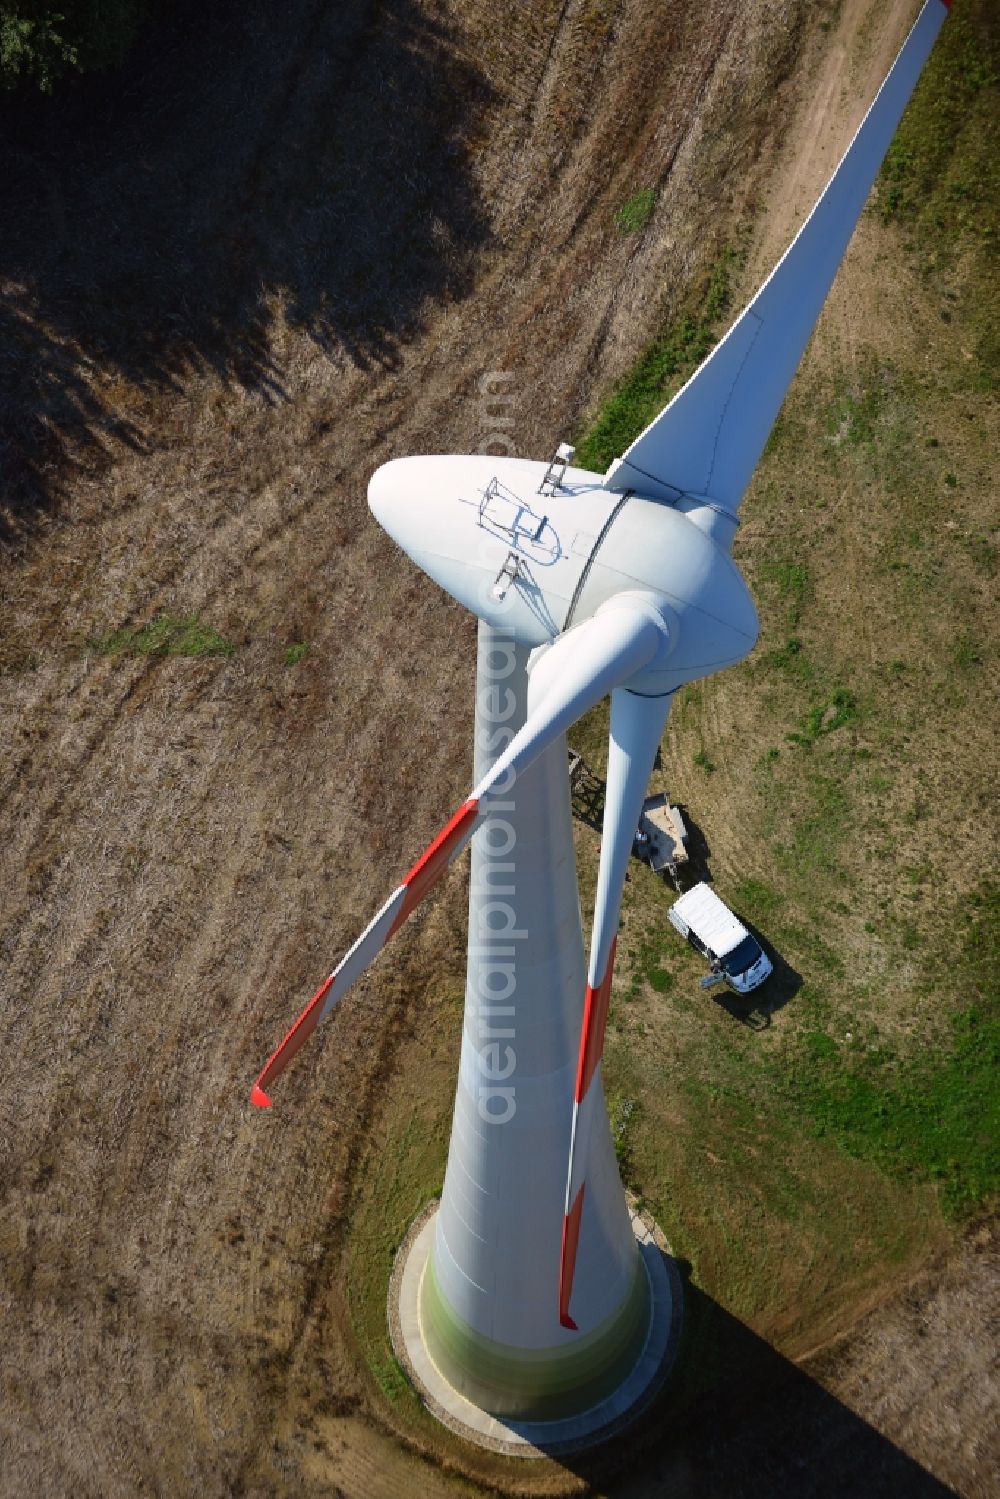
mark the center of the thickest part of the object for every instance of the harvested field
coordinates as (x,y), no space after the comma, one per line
(275,253)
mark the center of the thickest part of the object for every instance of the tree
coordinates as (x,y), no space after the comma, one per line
(41,40)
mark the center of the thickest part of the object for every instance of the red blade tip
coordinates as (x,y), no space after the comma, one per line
(259,1098)
(567,1321)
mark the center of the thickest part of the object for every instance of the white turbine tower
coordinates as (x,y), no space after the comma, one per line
(528,1299)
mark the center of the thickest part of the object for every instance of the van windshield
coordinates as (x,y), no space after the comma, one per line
(743,956)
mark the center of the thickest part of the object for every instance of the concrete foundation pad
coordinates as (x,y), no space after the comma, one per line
(537,1438)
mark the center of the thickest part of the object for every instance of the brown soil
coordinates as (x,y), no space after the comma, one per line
(276,255)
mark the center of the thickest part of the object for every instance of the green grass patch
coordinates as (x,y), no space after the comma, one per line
(858,409)
(388,1374)
(936,1120)
(966,652)
(743,1188)
(403,1170)
(295,653)
(649,958)
(167,635)
(623,1116)
(934,1114)
(791,659)
(984,554)
(792,581)
(760,901)
(872,434)
(826,718)
(637,212)
(941,157)
(818,829)
(941,178)
(767,1159)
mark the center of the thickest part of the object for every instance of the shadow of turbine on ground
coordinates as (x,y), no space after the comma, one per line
(737,1420)
(247,159)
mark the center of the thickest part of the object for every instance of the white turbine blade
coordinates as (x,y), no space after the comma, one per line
(637,725)
(580,669)
(576,672)
(424,875)
(710,437)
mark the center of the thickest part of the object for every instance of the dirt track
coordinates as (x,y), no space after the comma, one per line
(226,339)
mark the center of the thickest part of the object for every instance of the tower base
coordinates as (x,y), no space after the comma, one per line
(538,1438)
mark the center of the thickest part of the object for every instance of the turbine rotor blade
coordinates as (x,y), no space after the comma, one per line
(424,875)
(637,725)
(578,670)
(708,440)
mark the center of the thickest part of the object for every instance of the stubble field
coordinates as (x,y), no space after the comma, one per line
(232,713)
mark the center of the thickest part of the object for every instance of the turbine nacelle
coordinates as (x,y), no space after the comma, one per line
(536,559)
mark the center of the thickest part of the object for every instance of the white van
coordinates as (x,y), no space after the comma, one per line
(713,930)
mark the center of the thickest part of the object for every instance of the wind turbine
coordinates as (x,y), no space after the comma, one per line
(617,584)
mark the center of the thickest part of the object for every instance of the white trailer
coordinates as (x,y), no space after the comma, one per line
(666,837)
(713,930)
